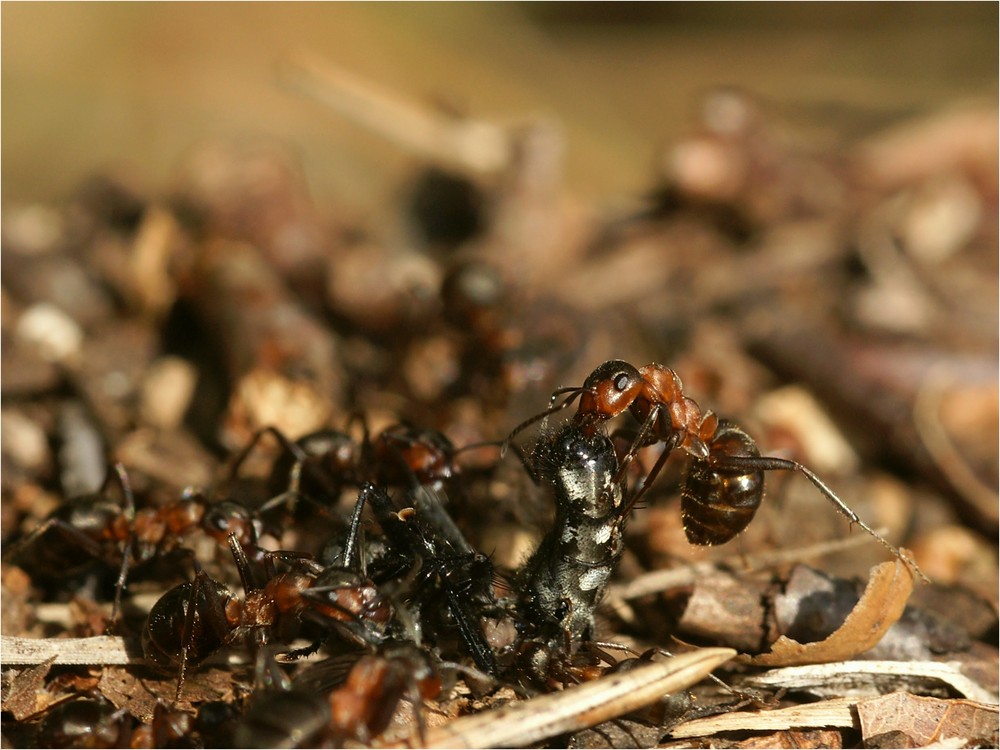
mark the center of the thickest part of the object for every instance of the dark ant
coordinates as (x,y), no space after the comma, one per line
(195,619)
(97,527)
(447,576)
(283,718)
(427,547)
(280,715)
(84,529)
(84,722)
(169,727)
(401,452)
(320,465)
(724,482)
(362,707)
(366,691)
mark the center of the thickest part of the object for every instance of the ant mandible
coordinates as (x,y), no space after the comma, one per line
(724,483)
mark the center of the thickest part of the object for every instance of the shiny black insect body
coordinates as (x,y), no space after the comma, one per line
(566,577)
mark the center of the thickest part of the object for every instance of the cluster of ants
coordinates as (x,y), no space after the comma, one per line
(398,600)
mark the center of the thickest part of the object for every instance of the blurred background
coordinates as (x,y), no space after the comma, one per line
(221,216)
(88,85)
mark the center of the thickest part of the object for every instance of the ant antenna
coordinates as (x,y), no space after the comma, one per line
(771,463)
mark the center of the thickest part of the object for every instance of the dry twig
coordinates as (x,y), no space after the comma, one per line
(580,706)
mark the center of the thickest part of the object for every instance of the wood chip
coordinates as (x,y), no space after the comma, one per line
(833,713)
(102,649)
(864,678)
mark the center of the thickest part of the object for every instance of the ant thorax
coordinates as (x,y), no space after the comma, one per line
(566,577)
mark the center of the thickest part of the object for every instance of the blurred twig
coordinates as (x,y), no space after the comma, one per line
(469,145)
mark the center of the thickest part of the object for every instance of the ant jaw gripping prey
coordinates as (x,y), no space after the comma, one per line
(724,483)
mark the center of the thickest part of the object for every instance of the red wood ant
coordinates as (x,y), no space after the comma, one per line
(98,527)
(724,482)
(362,707)
(195,619)
(318,466)
(366,692)
(84,722)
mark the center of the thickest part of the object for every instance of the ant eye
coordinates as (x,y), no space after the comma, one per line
(621,381)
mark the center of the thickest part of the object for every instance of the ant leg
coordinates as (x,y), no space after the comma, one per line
(118,472)
(89,545)
(638,442)
(187,634)
(242,565)
(417,701)
(120,583)
(599,647)
(282,439)
(267,675)
(301,653)
(288,495)
(647,481)
(362,421)
(305,559)
(771,463)
(354,531)
(474,639)
(289,447)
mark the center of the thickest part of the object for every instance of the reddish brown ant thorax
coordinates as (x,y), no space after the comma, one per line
(689,423)
(184,515)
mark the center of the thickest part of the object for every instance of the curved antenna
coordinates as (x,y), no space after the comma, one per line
(743,464)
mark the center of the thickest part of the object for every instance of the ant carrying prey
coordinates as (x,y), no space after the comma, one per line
(724,482)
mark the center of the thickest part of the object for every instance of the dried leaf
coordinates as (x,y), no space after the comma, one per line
(27,695)
(927,720)
(881,605)
(127,691)
(204,684)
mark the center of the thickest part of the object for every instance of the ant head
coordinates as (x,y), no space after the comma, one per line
(405,453)
(225,518)
(610,389)
(342,596)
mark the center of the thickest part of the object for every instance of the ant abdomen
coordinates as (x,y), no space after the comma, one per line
(717,502)
(170,630)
